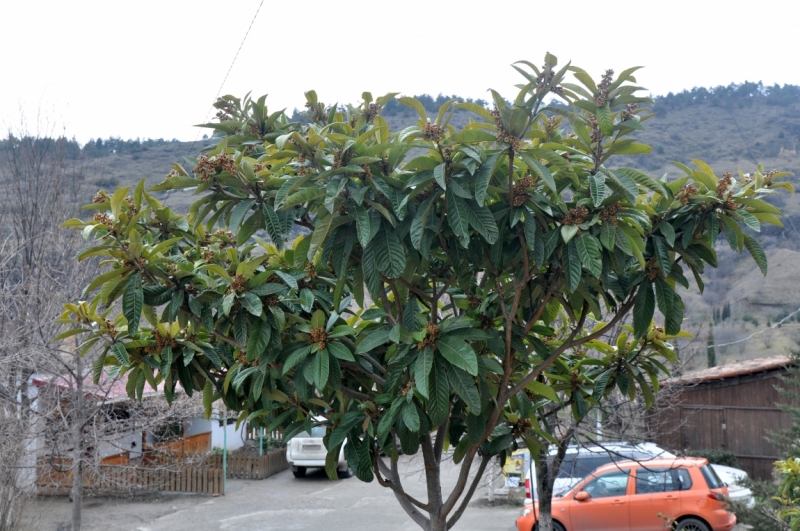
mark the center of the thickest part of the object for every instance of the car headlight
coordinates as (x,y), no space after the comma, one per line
(525,512)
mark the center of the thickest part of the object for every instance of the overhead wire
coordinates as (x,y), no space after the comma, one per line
(751,336)
(236,56)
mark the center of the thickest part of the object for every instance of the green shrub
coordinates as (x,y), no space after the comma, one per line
(107,182)
(717,457)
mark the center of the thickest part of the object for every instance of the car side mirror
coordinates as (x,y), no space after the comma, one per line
(582,496)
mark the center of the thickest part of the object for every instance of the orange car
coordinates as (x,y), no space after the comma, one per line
(650,496)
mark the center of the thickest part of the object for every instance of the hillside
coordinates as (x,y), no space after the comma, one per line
(729,127)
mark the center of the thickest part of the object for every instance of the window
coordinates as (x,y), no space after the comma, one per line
(711,477)
(684,479)
(652,480)
(613,483)
(318,431)
(580,465)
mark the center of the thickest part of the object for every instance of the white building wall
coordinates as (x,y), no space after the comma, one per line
(235,437)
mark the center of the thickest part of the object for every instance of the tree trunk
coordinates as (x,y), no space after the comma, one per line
(546,473)
(78,444)
(544,491)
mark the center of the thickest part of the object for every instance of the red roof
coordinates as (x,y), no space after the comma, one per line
(740,368)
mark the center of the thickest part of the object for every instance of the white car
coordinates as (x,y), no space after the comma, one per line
(306,450)
(580,461)
(734,478)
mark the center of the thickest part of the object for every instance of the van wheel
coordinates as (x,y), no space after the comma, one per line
(346,473)
(299,472)
(691,524)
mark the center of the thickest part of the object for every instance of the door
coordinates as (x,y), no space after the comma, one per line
(656,500)
(607,506)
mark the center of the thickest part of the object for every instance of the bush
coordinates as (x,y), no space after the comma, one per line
(750,319)
(717,457)
(107,182)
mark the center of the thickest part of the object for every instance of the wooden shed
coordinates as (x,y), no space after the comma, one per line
(730,407)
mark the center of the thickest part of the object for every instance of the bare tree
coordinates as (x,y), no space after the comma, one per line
(37,274)
(50,405)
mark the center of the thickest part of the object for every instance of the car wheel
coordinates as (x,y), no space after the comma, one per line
(556,527)
(299,472)
(346,473)
(692,524)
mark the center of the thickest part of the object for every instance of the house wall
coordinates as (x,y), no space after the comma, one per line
(734,414)
(235,437)
(131,443)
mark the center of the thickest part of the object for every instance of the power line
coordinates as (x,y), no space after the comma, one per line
(219,90)
(751,336)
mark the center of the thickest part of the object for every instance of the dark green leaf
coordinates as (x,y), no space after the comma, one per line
(422,370)
(390,256)
(350,420)
(457,217)
(439,391)
(605,119)
(597,188)
(238,214)
(540,170)
(572,265)
(459,353)
(464,386)
(410,416)
(756,252)
(373,340)
(439,173)
(482,220)
(644,307)
(132,300)
(258,337)
(608,235)
(121,354)
(321,369)
(589,252)
(483,177)
(273,226)
(662,255)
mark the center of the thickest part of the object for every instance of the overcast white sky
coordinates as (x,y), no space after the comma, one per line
(152,68)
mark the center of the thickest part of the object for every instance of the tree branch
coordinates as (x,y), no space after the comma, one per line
(569,343)
(465,502)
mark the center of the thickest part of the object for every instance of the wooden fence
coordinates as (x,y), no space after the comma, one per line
(176,451)
(252,466)
(55,476)
(57,480)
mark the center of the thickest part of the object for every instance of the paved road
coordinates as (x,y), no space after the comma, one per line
(314,502)
(277,503)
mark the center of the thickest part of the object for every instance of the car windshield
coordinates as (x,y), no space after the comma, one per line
(580,465)
(316,431)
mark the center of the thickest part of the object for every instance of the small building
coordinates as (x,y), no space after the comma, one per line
(123,431)
(731,407)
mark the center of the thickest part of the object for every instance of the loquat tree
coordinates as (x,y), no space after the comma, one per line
(450,291)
